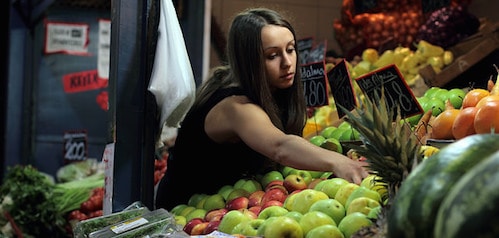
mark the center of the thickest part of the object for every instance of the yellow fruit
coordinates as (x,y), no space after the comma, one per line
(370,55)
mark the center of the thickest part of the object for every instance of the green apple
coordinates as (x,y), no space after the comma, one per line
(456,96)
(280,227)
(180,220)
(248,228)
(330,207)
(214,201)
(317,140)
(313,219)
(289,201)
(353,222)
(295,215)
(344,192)
(326,132)
(442,94)
(176,209)
(331,186)
(201,202)
(249,185)
(345,125)
(304,199)
(336,134)
(363,205)
(325,231)
(196,198)
(305,174)
(286,170)
(186,210)
(429,93)
(196,213)
(315,174)
(362,192)
(271,176)
(272,211)
(332,144)
(231,219)
(436,105)
(225,190)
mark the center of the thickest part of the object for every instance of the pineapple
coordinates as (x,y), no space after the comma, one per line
(391,148)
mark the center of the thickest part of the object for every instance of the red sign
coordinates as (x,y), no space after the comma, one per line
(83,81)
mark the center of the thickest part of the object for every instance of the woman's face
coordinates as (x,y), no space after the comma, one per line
(280,56)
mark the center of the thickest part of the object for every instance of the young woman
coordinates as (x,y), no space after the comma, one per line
(248,116)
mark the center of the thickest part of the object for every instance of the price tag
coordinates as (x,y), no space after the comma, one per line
(318,53)
(341,88)
(397,92)
(304,47)
(75,146)
(314,84)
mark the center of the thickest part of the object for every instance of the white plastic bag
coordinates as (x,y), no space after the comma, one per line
(172,80)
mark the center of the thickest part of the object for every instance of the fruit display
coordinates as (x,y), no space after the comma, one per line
(284,203)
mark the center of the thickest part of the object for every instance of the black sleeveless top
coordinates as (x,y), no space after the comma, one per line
(197,164)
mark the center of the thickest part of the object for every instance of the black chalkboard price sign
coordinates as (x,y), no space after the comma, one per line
(341,88)
(305,45)
(75,146)
(314,84)
(397,92)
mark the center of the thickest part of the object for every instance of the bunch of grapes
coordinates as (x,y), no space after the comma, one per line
(448,26)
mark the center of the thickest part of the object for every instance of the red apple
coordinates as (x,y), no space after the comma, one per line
(277,194)
(255,198)
(271,203)
(294,182)
(211,227)
(199,228)
(191,224)
(237,203)
(255,209)
(274,183)
(215,214)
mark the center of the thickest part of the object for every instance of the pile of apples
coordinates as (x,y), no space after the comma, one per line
(284,203)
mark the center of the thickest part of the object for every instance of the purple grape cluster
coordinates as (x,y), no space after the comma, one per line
(448,25)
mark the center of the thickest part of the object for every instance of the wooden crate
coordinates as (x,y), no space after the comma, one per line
(468,53)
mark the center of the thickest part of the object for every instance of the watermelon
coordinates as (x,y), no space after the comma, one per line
(471,209)
(414,208)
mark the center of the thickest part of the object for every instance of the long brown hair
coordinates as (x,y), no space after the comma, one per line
(246,69)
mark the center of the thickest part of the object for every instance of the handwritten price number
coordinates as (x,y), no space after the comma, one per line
(314,94)
(75,150)
(403,100)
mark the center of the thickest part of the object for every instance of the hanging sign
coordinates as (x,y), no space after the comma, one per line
(341,88)
(75,146)
(314,84)
(104,48)
(397,92)
(68,38)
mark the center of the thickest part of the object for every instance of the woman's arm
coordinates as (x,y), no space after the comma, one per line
(235,118)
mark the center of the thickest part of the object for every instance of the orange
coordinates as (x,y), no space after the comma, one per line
(487,118)
(463,124)
(486,99)
(473,97)
(442,125)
